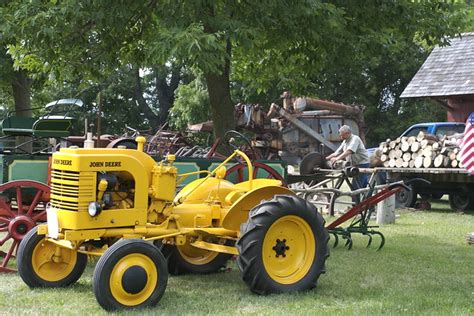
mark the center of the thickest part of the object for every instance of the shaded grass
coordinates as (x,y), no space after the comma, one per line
(426,267)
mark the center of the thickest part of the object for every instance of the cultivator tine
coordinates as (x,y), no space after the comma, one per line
(336,240)
(348,241)
(345,235)
(382,242)
(370,240)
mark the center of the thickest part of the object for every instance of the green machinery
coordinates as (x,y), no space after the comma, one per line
(25,149)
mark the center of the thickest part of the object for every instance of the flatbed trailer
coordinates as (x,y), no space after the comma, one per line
(454,182)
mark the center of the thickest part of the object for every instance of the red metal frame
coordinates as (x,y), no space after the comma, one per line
(364,205)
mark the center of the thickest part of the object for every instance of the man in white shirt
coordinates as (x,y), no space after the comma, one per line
(352,149)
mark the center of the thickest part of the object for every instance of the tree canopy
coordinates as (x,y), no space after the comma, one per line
(241,50)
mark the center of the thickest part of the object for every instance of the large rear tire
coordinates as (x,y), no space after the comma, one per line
(188,259)
(132,273)
(283,246)
(41,265)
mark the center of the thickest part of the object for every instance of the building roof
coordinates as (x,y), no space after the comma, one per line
(447,71)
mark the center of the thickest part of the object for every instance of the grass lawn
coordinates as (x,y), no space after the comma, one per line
(426,267)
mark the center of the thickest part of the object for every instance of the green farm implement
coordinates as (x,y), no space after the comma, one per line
(25,149)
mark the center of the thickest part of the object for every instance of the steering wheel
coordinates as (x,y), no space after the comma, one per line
(240,142)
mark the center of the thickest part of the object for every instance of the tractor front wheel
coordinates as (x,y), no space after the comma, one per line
(188,259)
(131,273)
(44,264)
(283,246)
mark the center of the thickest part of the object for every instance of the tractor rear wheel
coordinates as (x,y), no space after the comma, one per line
(131,273)
(44,264)
(188,259)
(283,246)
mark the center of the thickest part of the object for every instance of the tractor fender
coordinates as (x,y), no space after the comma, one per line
(239,211)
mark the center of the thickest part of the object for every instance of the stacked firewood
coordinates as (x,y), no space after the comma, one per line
(421,151)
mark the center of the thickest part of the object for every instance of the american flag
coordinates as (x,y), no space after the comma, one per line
(467,146)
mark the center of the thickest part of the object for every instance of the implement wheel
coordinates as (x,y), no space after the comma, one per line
(406,198)
(239,172)
(131,273)
(188,259)
(283,246)
(44,264)
(22,206)
(461,201)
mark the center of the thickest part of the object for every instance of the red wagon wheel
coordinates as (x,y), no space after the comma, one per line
(239,170)
(22,206)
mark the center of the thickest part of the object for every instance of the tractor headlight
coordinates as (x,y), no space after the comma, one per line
(94,209)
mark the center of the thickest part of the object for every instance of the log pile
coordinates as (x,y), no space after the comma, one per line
(421,151)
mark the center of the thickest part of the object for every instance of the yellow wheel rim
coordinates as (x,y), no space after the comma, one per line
(131,261)
(195,255)
(288,249)
(53,263)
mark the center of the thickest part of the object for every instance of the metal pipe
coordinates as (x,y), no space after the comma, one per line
(334,107)
(342,193)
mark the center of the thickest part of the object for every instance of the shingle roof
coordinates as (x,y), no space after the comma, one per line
(447,71)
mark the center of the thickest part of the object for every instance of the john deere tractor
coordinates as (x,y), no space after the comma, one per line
(120,205)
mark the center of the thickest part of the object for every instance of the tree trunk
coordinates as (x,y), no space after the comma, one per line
(143,106)
(21,85)
(165,89)
(222,108)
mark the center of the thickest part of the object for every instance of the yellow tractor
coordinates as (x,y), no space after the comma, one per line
(120,205)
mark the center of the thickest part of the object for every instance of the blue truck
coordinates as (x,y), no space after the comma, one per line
(435,128)
(455,182)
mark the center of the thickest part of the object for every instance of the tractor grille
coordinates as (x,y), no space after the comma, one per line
(72,191)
